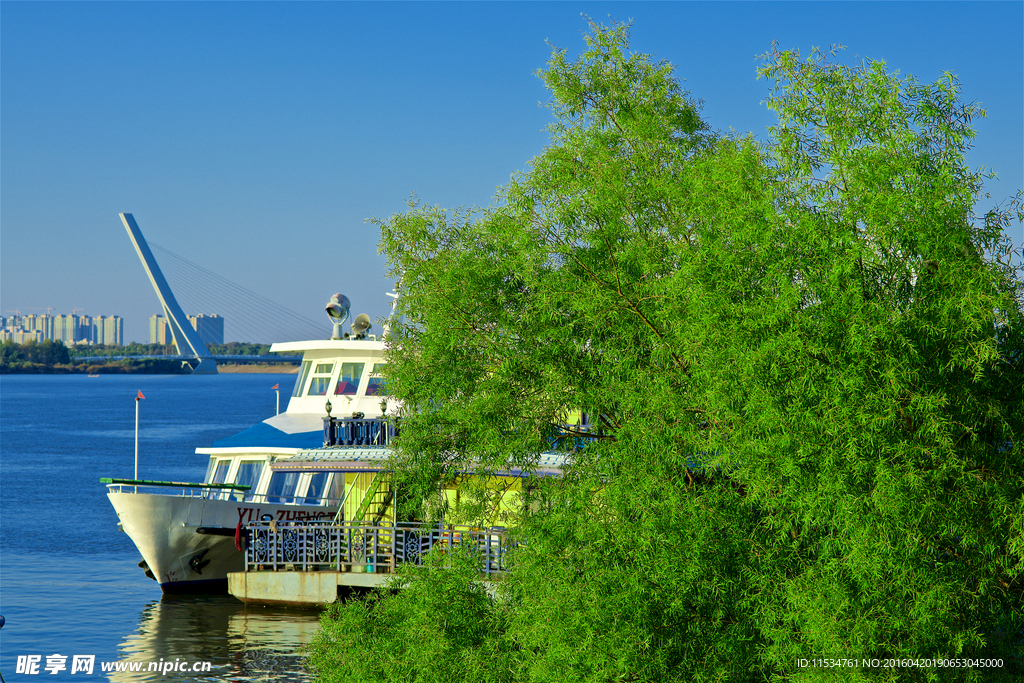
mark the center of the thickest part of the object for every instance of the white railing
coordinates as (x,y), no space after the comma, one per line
(188,489)
(365,547)
(219,492)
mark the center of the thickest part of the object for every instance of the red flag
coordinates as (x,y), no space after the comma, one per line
(140,395)
(274,387)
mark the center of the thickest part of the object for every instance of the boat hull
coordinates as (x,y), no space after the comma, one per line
(187,542)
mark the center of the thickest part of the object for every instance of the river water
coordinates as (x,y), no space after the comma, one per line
(69,580)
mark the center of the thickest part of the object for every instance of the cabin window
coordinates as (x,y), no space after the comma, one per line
(337,490)
(218,471)
(301,381)
(248,474)
(316,488)
(282,487)
(318,386)
(375,387)
(348,381)
(321,379)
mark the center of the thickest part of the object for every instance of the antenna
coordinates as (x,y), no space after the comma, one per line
(394,307)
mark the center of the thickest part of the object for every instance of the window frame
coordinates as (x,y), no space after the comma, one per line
(359,381)
(321,375)
(376,373)
(284,497)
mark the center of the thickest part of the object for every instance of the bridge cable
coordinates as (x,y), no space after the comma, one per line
(200,285)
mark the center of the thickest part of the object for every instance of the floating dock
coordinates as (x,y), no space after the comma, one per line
(308,564)
(307,589)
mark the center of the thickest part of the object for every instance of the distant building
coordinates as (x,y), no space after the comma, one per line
(109,330)
(40,323)
(20,336)
(158,330)
(86,330)
(65,329)
(209,327)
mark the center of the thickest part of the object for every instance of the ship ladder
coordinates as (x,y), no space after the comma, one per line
(379,498)
(375,498)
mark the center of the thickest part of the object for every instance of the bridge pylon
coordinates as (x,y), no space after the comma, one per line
(181,330)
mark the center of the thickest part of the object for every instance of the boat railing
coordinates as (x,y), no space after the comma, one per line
(363,547)
(355,431)
(187,489)
(235,492)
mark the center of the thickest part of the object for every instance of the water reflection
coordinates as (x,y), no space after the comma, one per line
(242,643)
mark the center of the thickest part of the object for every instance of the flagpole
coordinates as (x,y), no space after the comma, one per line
(136,437)
(278,392)
(137,398)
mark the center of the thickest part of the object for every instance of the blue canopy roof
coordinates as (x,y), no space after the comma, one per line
(263,435)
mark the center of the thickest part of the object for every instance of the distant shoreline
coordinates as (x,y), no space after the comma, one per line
(54,358)
(273,368)
(154,367)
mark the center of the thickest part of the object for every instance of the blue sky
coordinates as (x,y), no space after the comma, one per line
(255,139)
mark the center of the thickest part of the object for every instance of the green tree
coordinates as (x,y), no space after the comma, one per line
(239,349)
(804,357)
(10,352)
(53,352)
(47,352)
(392,637)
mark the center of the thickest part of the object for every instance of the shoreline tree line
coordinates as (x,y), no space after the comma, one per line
(53,357)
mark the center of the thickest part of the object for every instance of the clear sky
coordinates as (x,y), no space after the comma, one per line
(255,139)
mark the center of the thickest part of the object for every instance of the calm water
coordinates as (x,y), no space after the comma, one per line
(69,580)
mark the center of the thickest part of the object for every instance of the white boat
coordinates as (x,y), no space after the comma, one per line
(186,532)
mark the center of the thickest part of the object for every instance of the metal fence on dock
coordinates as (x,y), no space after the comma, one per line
(326,545)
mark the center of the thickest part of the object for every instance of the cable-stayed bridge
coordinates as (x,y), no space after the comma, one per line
(205,290)
(201,290)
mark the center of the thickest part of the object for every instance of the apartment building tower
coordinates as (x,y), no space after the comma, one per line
(209,327)
(109,330)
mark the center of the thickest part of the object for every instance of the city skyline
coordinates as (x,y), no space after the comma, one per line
(74,328)
(255,139)
(69,329)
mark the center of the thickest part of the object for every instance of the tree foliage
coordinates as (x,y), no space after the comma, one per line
(445,627)
(50,356)
(46,352)
(806,357)
(129,349)
(239,349)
